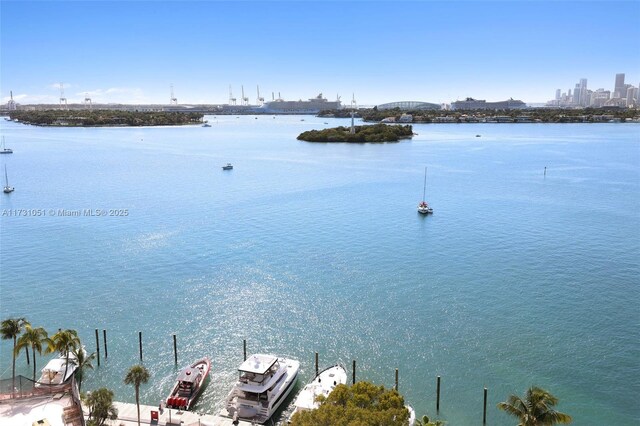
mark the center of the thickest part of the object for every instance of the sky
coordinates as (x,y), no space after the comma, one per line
(376,51)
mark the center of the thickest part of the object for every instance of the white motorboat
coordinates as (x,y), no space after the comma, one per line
(227,167)
(56,371)
(265,382)
(323,384)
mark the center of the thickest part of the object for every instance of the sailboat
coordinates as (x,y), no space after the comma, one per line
(5,150)
(423,207)
(7,189)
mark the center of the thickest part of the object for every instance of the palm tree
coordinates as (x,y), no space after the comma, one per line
(136,376)
(536,409)
(11,329)
(100,405)
(34,337)
(64,341)
(83,361)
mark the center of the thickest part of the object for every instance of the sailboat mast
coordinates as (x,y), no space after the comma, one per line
(424,188)
(6,178)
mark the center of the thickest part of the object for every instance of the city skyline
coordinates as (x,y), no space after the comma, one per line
(132,52)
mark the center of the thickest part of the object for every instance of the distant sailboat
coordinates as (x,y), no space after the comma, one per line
(423,207)
(7,189)
(5,150)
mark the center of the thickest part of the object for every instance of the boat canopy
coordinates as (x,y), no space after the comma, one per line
(258,364)
(55,364)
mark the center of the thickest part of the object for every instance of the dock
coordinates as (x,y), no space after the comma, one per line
(128,416)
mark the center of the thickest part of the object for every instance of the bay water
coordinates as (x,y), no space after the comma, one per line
(519,278)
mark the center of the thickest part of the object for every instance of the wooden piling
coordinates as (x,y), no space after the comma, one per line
(354,371)
(396,380)
(175,349)
(484,410)
(140,341)
(244,347)
(97,347)
(438,395)
(316,363)
(104,339)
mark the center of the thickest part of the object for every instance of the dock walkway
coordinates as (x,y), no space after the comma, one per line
(128,416)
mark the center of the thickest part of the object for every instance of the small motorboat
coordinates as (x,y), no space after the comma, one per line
(227,167)
(189,384)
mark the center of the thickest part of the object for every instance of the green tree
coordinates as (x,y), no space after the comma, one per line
(34,338)
(426,421)
(64,341)
(136,376)
(11,329)
(362,404)
(535,409)
(83,361)
(100,405)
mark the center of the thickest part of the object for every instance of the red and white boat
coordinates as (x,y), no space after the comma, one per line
(189,384)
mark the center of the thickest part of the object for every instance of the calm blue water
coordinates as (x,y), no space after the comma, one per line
(516,280)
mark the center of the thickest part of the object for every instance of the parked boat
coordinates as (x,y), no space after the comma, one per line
(7,189)
(323,384)
(423,207)
(189,384)
(5,150)
(227,167)
(264,383)
(206,124)
(56,372)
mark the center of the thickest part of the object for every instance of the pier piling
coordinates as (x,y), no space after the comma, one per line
(354,372)
(396,380)
(175,349)
(484,410)
(97,347)
(438,395)
(140,340)
(316,363)
(244,347)
(104,339)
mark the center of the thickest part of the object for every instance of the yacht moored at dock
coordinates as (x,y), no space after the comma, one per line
(189,384)
(265,382)
(323,384)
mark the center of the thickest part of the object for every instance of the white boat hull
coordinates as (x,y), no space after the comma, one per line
(323,384)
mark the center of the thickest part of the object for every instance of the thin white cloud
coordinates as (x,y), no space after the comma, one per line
(128,95)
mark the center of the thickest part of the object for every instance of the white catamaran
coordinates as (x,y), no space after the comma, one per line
(264,383)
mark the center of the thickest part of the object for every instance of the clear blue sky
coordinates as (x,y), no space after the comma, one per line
(382,51)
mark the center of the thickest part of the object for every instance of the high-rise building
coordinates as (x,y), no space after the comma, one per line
(620,89)
(558,94)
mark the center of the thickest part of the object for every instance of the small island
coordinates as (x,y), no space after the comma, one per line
(99,118)
(375,133)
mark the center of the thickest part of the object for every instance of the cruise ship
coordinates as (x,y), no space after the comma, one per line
(311,106)
(471,104)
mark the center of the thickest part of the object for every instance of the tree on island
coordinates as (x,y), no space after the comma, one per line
(426,421)
(536,409)
(362,404)
(36,338)
(100,405)
(136,376)
(83,361)
(11,329)
(64,341)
